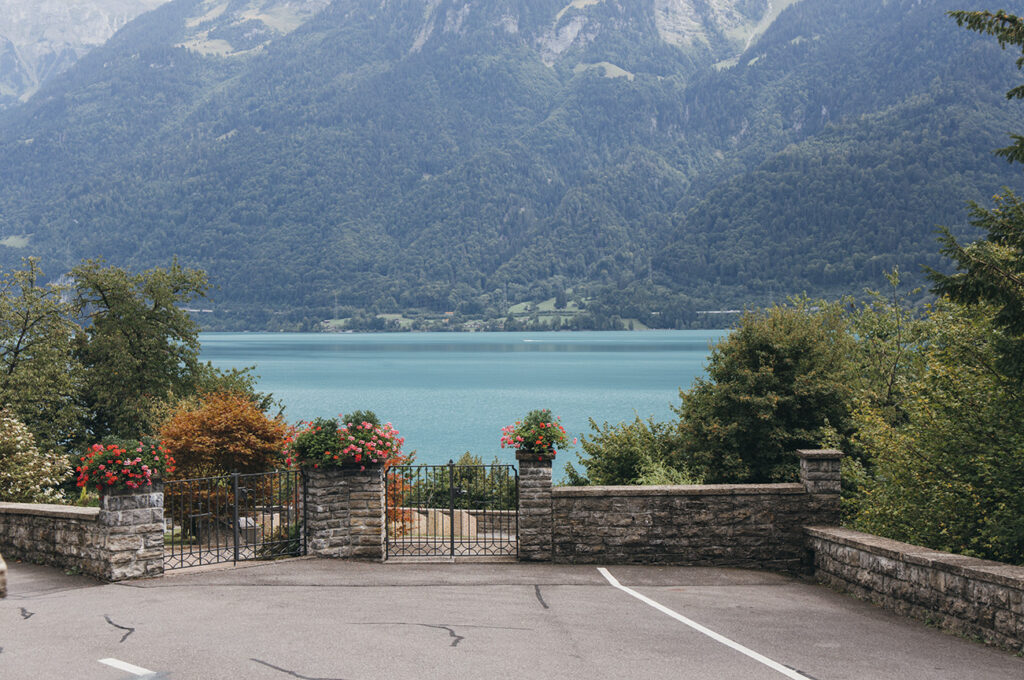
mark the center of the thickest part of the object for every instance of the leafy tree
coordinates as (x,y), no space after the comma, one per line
(640,452)
(138,346)
(207,379)
(948,476)
(222,432)
(27,475)
(781,381)
(889,333)
(39,377)
(992,270)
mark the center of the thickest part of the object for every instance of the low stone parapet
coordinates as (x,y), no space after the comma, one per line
(121,539)
(56,535)
(963,595)
(757,526)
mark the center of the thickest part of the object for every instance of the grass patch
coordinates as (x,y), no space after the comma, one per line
(609,69)
(20,241)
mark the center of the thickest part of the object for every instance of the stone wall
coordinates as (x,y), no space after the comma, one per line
(963,595)
(345,511)
(751,526)
(121,539)
(755,526)
(56,535)
(535,508)
(132,531)
(494,521)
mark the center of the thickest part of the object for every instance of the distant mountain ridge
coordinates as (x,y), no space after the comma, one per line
(41,38)
(384,157)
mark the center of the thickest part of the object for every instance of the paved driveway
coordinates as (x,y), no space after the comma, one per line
(323,620)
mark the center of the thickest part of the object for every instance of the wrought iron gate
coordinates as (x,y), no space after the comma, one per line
(233,518)
(452,510)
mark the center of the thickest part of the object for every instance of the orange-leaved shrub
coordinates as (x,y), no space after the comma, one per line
(221,433)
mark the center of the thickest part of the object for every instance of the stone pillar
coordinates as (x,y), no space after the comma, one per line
(345,511)
(131,532)
(535,526)
(819,472)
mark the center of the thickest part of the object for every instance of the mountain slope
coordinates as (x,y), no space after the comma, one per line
(41,38)
(451,156)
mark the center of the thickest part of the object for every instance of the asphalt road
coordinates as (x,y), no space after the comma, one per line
(334,620)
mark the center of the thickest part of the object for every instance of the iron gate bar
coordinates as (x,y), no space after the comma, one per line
(268,503)
(421,498)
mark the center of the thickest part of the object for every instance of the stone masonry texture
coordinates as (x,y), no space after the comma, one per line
(535,509)
(754,526)
(345,511)
(132,524)
(749,526)
(963,595)
(122,539)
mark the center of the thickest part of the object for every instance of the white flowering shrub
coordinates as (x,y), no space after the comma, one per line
(26,474)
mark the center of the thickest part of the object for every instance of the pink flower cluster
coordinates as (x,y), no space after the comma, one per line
(111,466)
(539,432)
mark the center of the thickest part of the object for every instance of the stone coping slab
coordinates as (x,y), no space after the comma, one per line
(819,454)
(681,490)
(960,565)
(49,510)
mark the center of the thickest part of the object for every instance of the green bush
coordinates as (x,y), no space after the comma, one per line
(640,452)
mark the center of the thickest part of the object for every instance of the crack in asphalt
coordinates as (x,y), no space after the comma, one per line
(540,598)
(125,636)
(291,673)
(797,670)
(26,614)
(456,638)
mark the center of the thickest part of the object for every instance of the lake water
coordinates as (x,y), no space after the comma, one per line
(448,393)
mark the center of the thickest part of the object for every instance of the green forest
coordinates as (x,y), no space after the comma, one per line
(338,174)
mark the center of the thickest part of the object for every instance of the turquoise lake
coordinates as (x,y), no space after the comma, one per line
(448,393)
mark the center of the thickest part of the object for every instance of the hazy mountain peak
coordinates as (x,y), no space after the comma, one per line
(41,38)
(227,28)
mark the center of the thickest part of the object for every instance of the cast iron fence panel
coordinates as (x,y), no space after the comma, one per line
(452,510)
(233,518)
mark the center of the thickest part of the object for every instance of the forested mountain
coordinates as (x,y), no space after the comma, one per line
(654,158)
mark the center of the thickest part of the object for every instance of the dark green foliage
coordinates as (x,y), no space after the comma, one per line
(992,272)
(780,382)
(640,452)
(137,347)
(948,475)
(39,379)
(321,436)
(358,417)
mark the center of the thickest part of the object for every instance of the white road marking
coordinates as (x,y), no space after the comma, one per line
(126,667)
(788,672)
